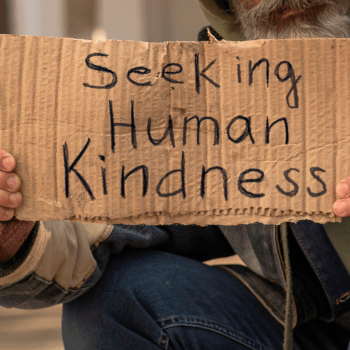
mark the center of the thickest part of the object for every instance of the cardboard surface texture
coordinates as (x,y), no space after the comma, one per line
(178,132)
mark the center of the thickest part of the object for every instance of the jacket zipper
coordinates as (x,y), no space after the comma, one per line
(280,251)
(284,270)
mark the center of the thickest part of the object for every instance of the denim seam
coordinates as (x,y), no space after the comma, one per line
(211,326)
(86,277)
(270,301)
(163,340)
(267,298)
(313,264)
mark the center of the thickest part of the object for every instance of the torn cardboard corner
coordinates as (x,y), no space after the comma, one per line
(185,132)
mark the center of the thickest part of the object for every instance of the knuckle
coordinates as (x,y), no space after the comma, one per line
(10,200)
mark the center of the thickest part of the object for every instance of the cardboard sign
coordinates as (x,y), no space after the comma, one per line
(177,132)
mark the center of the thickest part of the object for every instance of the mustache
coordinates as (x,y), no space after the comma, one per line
(282,19)
(266,10)
(287,14)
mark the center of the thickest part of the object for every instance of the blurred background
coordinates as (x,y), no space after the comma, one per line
(141,20)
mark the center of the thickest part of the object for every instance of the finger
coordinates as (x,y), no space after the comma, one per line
(6,214)
(10,200)
(7,161)
(343,188)
(9,182)
(341,207)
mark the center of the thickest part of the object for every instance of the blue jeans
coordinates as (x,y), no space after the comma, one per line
(155,300)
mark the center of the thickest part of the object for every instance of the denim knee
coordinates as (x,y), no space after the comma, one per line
(152,299)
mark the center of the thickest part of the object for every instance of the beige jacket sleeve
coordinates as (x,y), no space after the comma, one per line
(61,254)
(64,259)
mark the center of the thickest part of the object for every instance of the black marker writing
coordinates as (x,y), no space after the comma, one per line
(247,131)
(169,131)
(268,129)
(199,121)
(242,180)
(324,187)
(139,70)
(257,64)
(239,73)
(68,168)
(132,126)
(144,178)
(182,189)
(100,69)
(202,73)
(295,191)
(103,170)
(166,72)
(290,75)
(224,178)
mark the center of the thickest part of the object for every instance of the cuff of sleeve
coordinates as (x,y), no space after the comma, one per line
(13,234)
(10,265)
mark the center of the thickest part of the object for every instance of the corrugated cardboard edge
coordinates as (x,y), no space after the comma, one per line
(205,219)
(214,216)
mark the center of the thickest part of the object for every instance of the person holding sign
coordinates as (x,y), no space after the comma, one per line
(145,287)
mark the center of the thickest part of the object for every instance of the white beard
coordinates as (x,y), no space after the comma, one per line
(333,22)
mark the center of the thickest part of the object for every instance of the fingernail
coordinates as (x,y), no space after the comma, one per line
(343,189)
(14,198)
(7,163)
(340,208)
(12,182)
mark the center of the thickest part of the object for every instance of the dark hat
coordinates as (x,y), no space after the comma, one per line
(224,4)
